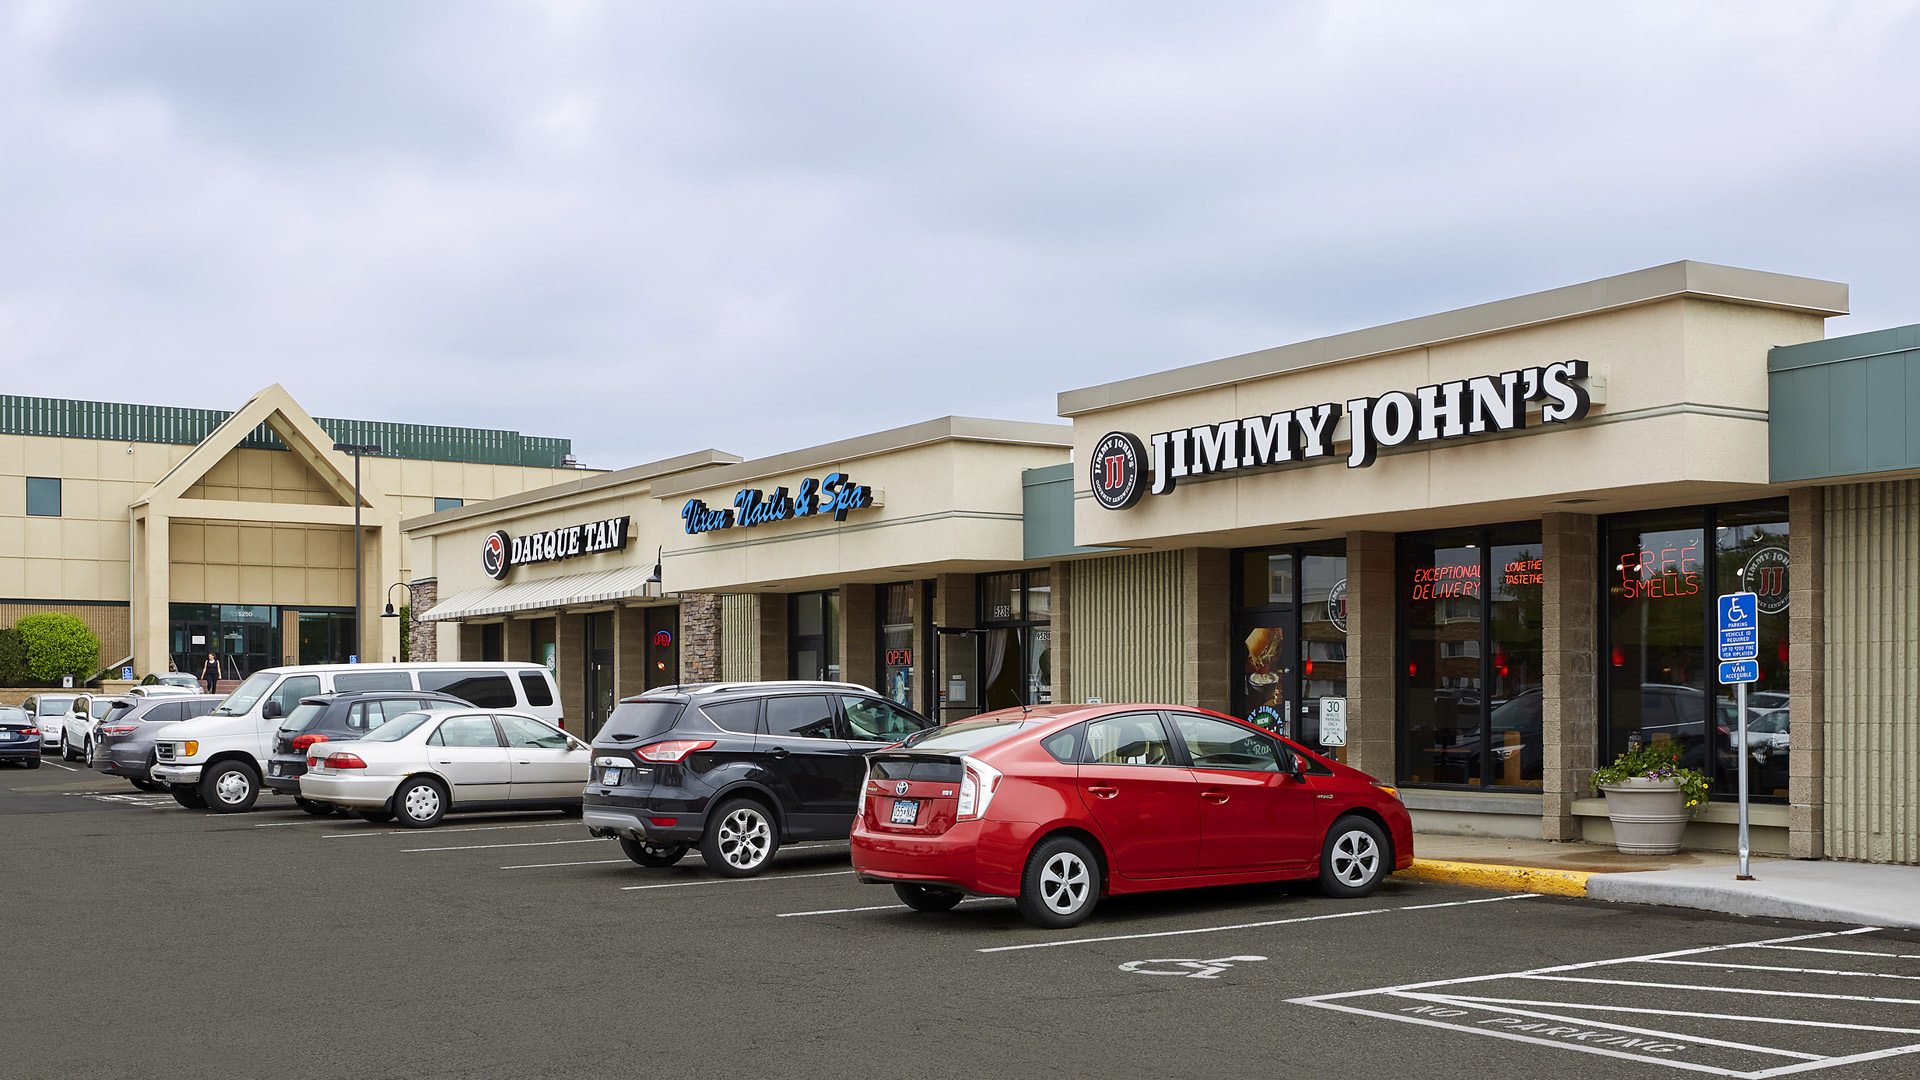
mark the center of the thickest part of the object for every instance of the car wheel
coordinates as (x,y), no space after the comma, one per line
(1061,884)
(375,816)
(419,803)
(188,797)
(230,787)
(647,853)
(314,806)
(1354,859)
(87,755)
(148,785)
(741,840)
(33,762)
(66,752)
(927,897)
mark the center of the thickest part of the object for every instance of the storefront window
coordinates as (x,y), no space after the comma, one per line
(897,607)
(1290,639)
(1017,646)
(814,631)
(663,646)
(1661,680)
(1471,704)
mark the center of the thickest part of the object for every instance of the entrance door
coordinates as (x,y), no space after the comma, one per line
(957,673)
(1264,683)
(599,671)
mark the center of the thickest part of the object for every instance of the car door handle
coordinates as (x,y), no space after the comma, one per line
(1214,796)
(777,752)
(1105,791)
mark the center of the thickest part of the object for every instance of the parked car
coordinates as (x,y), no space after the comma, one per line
(77,725)
(419,766)
(172,678)
(19,736)
(163,690)
(736,769)
(337,718)
(123,745)
(48,711)
(1057,806)
(216,761)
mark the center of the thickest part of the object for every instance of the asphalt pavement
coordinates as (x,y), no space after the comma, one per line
(146,940)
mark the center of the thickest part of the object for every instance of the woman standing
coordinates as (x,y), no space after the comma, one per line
(210,672)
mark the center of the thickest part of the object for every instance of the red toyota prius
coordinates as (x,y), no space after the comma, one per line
(1058,805)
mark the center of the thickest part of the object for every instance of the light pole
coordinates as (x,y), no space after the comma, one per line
(356,449)
(392,614)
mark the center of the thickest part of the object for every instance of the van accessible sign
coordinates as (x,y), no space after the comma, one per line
(836,495)
(500,552)
(1451,410)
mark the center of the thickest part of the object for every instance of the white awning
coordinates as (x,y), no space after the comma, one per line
(539,593)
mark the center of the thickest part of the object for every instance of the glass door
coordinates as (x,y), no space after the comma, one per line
(599,671)
(1263,673)
(957,673)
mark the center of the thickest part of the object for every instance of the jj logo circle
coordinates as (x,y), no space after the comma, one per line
(1118,470)
(495,554)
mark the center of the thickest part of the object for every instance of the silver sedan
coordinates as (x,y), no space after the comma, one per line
(420,766)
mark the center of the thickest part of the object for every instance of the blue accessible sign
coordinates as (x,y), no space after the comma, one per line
(126,671)
(1739,627)
(1739,671)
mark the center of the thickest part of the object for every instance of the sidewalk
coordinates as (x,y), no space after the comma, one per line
(1821,891)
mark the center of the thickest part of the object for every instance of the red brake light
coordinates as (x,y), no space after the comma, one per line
(29,731)
(344,761)
(672,751)
(665,822)
(127,730)
(301,742)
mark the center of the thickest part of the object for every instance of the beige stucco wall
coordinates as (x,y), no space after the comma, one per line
(1683,421)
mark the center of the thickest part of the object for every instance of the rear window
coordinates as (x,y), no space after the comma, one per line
(965,736)
(302,716)
(742,716)
(917,769)
(397,728)
(539,691)
(190,709)
(373,680)
(487,689)
(641,720)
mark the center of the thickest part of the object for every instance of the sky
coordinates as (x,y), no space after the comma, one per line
(654,228)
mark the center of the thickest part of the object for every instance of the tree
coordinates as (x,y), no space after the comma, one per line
(58,645)
(13,658)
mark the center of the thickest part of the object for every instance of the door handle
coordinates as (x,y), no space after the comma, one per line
(777,753)
(1214,796)
(1105,791)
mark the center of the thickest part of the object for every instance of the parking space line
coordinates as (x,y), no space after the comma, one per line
(1842,952)
(484,847)
(282,824)
(57,765)
(1447,999)
(541,865)
(444,832)
(735,881)
(1789,970)
(1253,925)
(1677,1012)
(1723,989)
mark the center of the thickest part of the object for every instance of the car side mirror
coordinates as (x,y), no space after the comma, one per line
(272,710)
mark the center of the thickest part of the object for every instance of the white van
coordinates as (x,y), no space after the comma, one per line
(213,762)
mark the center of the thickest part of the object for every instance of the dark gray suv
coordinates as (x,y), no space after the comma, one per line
(736,769)
(127,732)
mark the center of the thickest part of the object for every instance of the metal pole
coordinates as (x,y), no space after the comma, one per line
(1740,741)
(359,623)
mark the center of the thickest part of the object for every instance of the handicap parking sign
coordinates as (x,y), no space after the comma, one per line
(1739,627)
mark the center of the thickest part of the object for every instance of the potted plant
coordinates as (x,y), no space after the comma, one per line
(1650,797)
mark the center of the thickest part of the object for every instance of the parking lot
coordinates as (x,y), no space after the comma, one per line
(148,940)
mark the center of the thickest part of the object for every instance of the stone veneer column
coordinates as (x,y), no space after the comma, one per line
(1570,698)
(423,638)
(1371,685)
(770,650)
(469,642)
(629,651)
(700,637)
(1060,580)
(570,661)
(1807,673)
(1206,627)
(516,641)
(859,635)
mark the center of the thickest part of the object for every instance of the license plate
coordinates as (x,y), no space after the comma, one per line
(610,777)
(905,811)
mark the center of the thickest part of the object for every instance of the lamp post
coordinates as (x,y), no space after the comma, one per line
(356,449)
(390,613)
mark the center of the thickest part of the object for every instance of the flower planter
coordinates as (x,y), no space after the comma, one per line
(1649,816)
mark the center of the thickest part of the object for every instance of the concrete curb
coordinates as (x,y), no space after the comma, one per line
(1733,900)
(1491,876)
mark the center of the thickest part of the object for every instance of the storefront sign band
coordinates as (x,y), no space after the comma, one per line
(836,495)
(501,552)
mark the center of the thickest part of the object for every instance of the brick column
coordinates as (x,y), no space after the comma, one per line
(1570,701)
(629,651)
(1806,673)
(423,638)
(1371,685)
(516,641)
(570,661)
(859,635)
(1206,627)
(469,642)
(699,637)
(1060,579)
(770,649)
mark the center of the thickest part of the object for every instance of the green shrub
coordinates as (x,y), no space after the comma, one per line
(13,659)
(58,645)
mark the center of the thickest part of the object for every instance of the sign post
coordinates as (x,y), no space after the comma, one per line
(1739,665)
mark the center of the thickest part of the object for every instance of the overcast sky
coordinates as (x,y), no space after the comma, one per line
(654,228)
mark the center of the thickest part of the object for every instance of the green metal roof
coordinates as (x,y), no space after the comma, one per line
(1844,407)
(63,418)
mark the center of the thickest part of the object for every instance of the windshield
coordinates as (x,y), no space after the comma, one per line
(302,715)
(397,728)
(964,736)
(244,698)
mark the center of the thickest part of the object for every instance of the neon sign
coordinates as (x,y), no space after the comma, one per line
(1668,572)
(1441,582)
(1526,571)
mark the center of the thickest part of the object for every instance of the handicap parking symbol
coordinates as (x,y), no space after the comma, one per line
(1192,969)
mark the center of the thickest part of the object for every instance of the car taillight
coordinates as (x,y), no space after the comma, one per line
(301,742)
(344,761)
(860,803)
(673,751)
(977,787)
(29,731)
(126,730)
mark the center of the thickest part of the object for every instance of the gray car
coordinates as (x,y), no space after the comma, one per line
(125,745)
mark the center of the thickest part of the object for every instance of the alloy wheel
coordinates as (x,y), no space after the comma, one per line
(1356,858)
(232,787)
(1064,883)
(745,838)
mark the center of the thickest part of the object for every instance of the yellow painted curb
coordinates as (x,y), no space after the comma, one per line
(1488,876)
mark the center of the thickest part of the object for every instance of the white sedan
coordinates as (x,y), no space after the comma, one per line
(419,766)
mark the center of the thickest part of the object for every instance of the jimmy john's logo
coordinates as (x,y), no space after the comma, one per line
(500,552)
(1459,409)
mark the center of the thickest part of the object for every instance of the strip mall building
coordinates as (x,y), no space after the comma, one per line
(1475,553)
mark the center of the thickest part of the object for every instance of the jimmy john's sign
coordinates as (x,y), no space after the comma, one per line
(1123,468)
(500,552)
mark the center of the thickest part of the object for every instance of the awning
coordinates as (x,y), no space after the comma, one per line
(540,593)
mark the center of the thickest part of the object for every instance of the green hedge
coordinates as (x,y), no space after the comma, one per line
(13,659)
(58,645)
